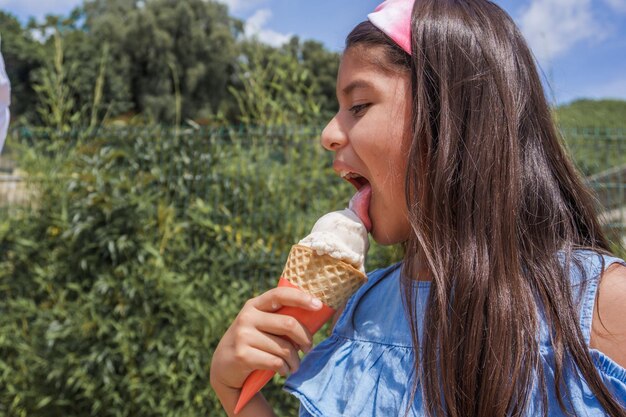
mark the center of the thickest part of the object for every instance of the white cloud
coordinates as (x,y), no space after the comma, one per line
(255,27)
(258,20)
(553,27)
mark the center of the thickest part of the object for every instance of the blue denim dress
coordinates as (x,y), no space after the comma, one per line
(365,368)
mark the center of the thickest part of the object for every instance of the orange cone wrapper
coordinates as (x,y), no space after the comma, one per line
(312,320)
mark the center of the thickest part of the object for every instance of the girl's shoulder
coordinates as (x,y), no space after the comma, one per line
(608,328)
(586,265)
(601,283)
(587,268)
(588,271)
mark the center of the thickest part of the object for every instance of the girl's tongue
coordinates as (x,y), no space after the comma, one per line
(360,204)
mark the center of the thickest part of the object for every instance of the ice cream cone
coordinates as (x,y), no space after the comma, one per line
(322,276)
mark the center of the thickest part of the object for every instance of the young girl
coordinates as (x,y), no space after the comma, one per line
(508,301)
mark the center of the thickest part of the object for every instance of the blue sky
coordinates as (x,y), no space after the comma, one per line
(580,44)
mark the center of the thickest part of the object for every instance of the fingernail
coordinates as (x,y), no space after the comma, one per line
(315,302)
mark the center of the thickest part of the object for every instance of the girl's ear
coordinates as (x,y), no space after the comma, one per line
(608,327)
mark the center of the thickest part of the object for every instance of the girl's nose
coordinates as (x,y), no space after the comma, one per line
(333,137)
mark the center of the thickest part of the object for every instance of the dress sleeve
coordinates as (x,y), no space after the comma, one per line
(612,373)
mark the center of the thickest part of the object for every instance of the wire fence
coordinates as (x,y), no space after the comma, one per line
(251,192)
(245,173)
(600,155)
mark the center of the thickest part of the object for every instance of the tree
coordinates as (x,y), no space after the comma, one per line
(165,61)
(279,86)
(56,105)
(323,66)
(94,81)
(169,48)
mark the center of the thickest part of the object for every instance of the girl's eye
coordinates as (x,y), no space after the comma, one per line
(358,109)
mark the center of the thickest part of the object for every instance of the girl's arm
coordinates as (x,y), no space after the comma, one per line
(608,328)
(259,338)
(257,407)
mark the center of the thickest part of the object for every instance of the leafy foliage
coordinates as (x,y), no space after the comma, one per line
(594,132)
(57,107)
(143,245)
(275,89)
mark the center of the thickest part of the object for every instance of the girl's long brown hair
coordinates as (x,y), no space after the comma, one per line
(492,199)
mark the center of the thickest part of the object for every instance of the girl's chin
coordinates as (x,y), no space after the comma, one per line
(388,235)
(383,238)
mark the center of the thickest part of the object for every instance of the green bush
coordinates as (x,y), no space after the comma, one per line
(135,256)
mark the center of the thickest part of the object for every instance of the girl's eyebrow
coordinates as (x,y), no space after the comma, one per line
(354,85)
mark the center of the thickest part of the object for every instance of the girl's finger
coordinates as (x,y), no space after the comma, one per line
(283,325)
(276,298)
(255,358)
(280,347)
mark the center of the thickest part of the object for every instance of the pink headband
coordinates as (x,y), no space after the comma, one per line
(393,17)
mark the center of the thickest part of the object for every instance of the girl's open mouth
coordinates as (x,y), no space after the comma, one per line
(360,202)
(355,179)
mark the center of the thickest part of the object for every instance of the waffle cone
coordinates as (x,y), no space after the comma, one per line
(331,280)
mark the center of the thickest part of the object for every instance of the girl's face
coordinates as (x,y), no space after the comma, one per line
(370,138)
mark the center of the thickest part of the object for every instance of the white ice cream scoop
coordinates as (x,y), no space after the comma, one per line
(342,235)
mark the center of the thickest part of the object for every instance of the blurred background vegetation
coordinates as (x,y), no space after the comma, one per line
(161,61)
(159,168)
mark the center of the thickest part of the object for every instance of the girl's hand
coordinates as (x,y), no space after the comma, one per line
(260,338)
